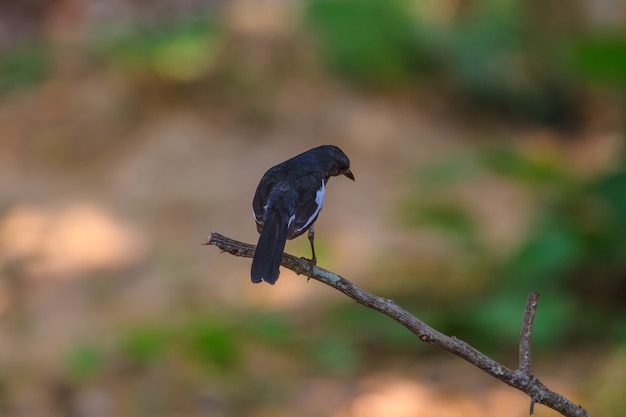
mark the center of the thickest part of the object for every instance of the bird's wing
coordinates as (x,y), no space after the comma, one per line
(261,195)
(310,200)
(258,206)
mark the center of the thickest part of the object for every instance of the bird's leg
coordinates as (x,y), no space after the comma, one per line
(311,235)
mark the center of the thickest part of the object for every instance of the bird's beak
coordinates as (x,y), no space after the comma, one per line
(349,174)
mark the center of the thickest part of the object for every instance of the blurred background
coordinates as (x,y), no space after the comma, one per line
(487,141)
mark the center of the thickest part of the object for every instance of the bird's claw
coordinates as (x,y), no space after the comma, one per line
(311,263)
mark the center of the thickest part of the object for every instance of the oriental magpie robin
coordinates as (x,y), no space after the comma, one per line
(287,202)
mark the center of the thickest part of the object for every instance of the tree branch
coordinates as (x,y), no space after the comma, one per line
(521,379)
(525,356)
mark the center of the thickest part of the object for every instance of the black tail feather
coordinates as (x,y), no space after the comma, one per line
(269,250)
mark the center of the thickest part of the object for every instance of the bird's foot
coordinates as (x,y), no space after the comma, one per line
(311,263)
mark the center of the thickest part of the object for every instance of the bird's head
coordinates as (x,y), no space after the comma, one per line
(338,162)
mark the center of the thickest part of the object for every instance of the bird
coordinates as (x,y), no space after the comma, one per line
(288,201)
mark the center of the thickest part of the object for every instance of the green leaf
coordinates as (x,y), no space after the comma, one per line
(553,247)
(602,58)
(533,169)
(182,52)
(273,326)
(612,190)
(448,218)
(482,50)
(336,354)
(451,171)
(212,342)
(84,361)
(24,65)
(144,345)
(368,41)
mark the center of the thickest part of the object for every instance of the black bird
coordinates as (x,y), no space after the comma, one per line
(287,202)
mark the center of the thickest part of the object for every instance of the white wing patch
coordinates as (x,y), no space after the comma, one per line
(319,200)
(257,219)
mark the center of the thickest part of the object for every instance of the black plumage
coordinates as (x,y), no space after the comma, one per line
(287,202)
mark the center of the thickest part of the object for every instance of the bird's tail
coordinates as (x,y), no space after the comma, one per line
(269,250)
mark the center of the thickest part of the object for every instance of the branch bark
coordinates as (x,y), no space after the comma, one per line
(521,378)
(525,356)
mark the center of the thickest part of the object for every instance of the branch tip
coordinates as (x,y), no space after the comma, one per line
(525,354)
